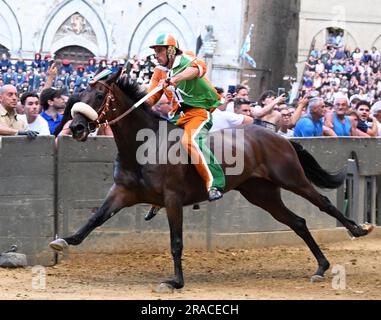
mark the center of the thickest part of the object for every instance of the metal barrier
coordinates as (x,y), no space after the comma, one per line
(359,198)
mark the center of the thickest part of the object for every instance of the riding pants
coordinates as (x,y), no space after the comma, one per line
(196,123)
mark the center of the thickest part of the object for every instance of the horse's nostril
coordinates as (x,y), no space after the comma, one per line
(79,128)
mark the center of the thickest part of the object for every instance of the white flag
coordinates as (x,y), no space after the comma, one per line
(246,48)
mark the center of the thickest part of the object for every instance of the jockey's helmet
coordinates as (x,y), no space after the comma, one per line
(166,40)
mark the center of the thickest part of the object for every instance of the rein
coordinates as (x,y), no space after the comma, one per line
(109,99)
(105,108)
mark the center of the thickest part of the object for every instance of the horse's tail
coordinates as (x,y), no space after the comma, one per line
(315,173)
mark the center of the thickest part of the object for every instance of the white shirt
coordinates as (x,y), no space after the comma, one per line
(230,107)
(288,134)
(225,119)
(40,125)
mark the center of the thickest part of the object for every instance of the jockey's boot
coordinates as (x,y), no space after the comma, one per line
(151,213)
(214,194)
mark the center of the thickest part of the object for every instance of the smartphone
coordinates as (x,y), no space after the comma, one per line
(50,63)
(281,91)
(231,89)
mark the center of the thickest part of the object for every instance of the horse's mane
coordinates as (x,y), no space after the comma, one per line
(135,92)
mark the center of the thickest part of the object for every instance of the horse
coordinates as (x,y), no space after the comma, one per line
(271,162)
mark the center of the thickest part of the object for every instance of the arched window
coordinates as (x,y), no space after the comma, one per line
(76,54)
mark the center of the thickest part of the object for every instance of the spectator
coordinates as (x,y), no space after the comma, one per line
(45,62)
(114,66)
(311,125)
(226,119)
(51,101)
(80,70)
(32,118)
(91,67)
(37,62)
(376,112)
(66,65)
(338,120)
(10,123)
(264,113)
(8,76)
(363,111)
(285,123)
(20,64)
(5,64)
(241,92)
(102,65)
(242,106)
(163,107)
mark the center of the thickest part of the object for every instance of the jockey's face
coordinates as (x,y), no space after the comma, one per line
(161,55)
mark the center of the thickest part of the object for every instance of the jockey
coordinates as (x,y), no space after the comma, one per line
(193,98)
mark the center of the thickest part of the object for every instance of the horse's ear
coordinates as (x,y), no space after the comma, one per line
(114,77)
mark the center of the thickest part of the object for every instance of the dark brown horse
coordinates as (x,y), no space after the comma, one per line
(271,162)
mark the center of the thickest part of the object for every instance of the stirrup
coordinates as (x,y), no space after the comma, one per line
(214,194)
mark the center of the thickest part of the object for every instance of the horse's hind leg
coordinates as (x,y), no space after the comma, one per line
(266,195)
(117,198)
(307,191)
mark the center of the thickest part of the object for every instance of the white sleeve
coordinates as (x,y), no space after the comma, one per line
(233,119)
(230,107)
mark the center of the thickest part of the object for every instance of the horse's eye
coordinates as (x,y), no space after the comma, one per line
(99,96)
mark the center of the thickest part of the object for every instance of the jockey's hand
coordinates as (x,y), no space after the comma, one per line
(165,83)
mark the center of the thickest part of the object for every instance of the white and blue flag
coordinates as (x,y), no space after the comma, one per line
(244,53)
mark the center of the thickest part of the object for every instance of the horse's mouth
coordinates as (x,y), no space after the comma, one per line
(79,130)
(81,137)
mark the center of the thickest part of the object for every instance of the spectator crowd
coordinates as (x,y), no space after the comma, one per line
(339,96)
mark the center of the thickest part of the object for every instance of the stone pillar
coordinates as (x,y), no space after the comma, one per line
(208,48)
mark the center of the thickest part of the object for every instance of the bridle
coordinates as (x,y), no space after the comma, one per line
(105,108)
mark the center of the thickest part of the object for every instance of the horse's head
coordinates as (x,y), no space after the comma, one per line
(93,106)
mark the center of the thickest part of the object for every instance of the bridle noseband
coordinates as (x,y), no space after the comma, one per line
(105,108)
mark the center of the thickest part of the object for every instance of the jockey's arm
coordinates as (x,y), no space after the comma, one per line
(188,74)
(155,81)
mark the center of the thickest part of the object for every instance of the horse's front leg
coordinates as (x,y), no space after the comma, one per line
(174,209)
(117,198)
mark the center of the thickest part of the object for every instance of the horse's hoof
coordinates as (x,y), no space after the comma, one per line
(58,245)
(164,288)
(316,278)
(361,230)
(368,227)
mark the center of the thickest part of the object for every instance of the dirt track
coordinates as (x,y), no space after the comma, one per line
(271,273)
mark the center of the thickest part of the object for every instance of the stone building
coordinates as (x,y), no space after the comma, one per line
(283,31)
